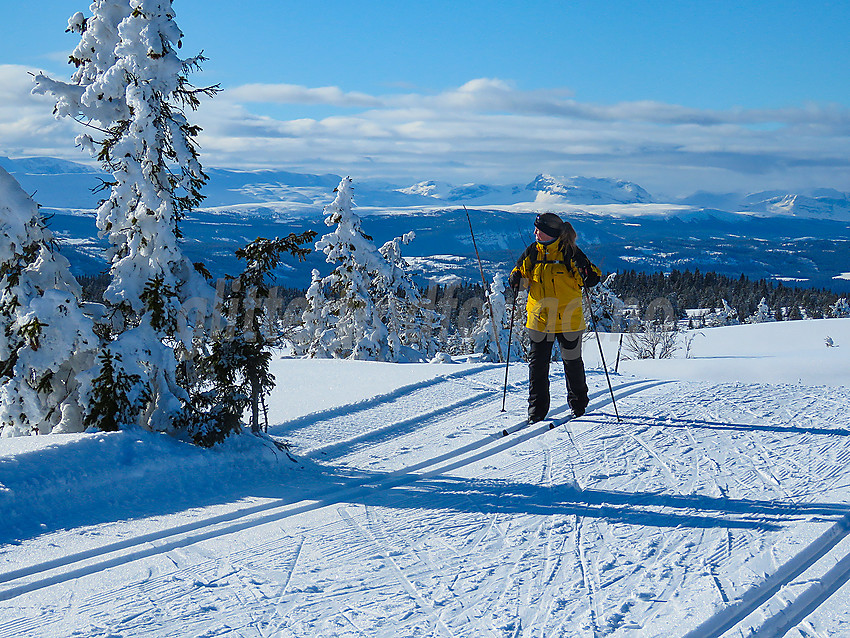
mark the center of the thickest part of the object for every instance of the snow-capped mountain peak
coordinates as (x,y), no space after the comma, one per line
(588,190)
(429,188)
(796,205)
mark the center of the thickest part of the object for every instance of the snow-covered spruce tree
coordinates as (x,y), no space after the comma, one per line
(233,375)
(359,332)
(368,307)
(763,313)
(725,316)
(410,321)
(45,339)
(484,335)
(132,89)
(608,309)
(317,334)
(840,308)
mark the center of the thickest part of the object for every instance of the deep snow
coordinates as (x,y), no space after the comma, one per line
(717,504)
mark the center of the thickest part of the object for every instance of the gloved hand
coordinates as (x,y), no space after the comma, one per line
(589,276)
(514,280)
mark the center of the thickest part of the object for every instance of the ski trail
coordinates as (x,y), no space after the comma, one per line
(391,430)
(671,477)
(539,598)
(731,615)
(408,586)
(350,409)
(512,570)
(89,562)
(807,602)
(585,577)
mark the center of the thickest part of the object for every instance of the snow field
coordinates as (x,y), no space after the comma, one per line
(406,516)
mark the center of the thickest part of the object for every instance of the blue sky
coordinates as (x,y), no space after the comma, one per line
(676,96)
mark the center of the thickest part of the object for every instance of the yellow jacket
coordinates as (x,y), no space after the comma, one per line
(554,286)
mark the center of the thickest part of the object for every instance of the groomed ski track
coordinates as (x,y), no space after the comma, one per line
(40,575)
(692,516)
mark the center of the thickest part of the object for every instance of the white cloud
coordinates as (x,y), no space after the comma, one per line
(293,94)
(27,125)
(485,130)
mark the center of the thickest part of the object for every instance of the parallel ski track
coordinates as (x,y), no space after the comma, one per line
(59,570)
(795,612)
(804,604)
(822,550)
(299,423)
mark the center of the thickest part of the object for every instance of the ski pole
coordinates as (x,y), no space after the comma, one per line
(619,348)
(484,283)
(601,354)
(508,362)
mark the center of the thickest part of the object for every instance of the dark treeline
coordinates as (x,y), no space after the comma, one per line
(94,286)
(686,289)
(461,302)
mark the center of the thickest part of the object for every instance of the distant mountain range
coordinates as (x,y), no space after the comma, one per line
(791,236)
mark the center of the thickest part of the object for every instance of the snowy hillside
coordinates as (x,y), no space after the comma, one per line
(718,505)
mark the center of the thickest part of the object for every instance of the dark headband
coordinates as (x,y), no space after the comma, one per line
(552,231)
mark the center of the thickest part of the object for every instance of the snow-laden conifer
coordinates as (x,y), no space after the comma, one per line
(412,325)
(233,374)
(45,339)
(359,332)
(317,334)
(368,307)
(485,334)
(840,308)
(131,89)
(763,313)
(724,316)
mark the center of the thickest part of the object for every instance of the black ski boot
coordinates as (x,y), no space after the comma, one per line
(578,405)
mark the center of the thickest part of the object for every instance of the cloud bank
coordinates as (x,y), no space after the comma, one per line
(485,130)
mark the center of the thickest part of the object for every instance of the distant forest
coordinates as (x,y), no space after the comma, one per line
(684,289)
(687,290)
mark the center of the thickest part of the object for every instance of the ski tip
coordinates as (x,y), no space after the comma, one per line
(551,425)
(504,432)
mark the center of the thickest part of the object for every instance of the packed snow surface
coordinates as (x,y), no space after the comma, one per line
(717,505)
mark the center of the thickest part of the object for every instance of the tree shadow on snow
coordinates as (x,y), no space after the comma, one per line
(652,509)
(748,427)
(320,486)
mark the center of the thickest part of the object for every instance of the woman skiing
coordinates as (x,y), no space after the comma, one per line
(554,270)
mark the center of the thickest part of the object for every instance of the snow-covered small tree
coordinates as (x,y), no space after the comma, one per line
(763,313)
(410,321)
(608,310)
(317,335)
(840,308)
(233,373)
(724,316)
(483,334)
(359,332)
(487,331)
(45,339)
(131,89)
(368,307)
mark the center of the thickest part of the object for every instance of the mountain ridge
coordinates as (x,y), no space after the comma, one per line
(774,235)
(62,183)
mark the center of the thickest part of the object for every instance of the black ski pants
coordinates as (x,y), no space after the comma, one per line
(538,371)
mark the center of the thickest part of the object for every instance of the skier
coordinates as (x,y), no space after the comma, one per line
(554,270)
